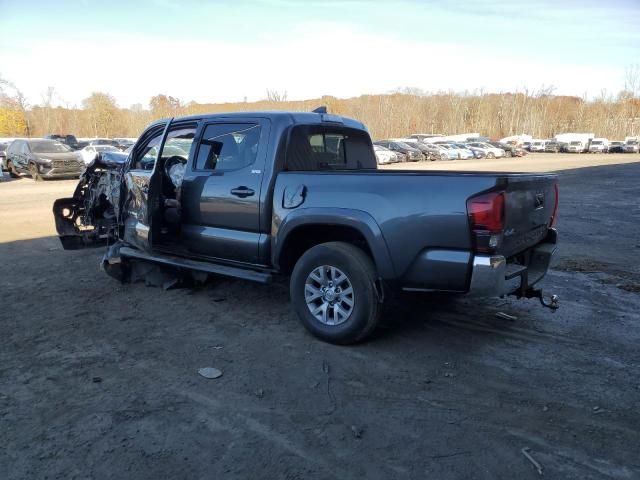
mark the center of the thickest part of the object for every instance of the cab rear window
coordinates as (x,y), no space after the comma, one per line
(320,148)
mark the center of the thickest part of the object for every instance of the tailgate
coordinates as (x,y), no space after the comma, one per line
(530,202)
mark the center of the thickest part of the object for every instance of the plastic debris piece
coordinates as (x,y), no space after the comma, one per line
(525,451)
(210,372)
(506,316)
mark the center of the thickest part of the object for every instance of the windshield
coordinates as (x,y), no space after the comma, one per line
(3,147)
(402,145)
(596,142)
(49,147)
(632,142)
(575,143)
(105,148)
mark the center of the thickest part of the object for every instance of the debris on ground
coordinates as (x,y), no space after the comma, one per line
(96,379)
(506,316)
(210,372)
(259,393)
(357,431)
(525,451)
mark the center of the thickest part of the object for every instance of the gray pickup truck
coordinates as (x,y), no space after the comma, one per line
(253,195)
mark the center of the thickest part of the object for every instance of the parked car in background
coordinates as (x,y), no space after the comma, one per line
(577,146)
(452,153)
(90,152)
(537,146)
(123,143)
(551,146)
(43,159)
(412,154)
(434,151)
(510,149)
(599,145)
(430,151)
(631,146)
(3,156)
(384,156)
(102,141)
(69,140)
(526,146)
(491,151)
(463,152)
(616,146)
(477,152)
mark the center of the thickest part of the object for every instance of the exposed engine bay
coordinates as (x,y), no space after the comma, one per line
(91,216)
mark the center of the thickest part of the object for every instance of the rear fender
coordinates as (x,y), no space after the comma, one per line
(357,219)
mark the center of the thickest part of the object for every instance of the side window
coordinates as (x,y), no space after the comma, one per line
(179,142)
(24,148)
(146,154)
(228,146)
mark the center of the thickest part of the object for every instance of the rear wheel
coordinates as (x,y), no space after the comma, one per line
(333,292)
(35,174)
(508,153)
(444,156)
(490,155)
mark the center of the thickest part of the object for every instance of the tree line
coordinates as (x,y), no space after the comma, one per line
(539,113)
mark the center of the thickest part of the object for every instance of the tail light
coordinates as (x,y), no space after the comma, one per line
(486,219)
(554,217)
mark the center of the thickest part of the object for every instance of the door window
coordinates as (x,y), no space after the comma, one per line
(145,155)
(179,142)
(228,146)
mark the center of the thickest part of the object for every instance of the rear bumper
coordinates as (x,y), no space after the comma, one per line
(494,276)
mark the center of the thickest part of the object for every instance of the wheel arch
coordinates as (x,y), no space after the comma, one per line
(305,228)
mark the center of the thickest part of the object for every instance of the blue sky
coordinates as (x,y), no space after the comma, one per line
(228,50)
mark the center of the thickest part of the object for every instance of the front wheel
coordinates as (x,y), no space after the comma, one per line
(35,174)
(508,154)
(490,155)
(333,292)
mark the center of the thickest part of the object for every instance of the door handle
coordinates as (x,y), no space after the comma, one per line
(242,192)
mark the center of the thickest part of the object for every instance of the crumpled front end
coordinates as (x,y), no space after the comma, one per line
(91,216)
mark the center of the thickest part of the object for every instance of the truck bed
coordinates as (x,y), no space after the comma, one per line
(434,221)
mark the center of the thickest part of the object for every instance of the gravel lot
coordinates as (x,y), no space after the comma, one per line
(99,380)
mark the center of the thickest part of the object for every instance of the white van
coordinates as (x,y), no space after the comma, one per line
(599,145)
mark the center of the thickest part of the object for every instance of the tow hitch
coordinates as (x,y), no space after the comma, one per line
(553,302)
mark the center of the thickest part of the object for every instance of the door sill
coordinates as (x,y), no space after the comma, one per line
(215,268)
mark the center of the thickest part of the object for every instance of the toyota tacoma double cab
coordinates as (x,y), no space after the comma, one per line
(255,195)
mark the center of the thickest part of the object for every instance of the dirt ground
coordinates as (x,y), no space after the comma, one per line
(100,380)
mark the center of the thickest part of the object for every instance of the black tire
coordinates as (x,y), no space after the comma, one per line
(361,274)
(35,174)
(444,156)
(490,155)
(508,154)
(13,173)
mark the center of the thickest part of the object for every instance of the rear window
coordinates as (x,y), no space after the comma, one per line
(319,147)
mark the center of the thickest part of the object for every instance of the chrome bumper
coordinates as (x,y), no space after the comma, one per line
(492,276)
